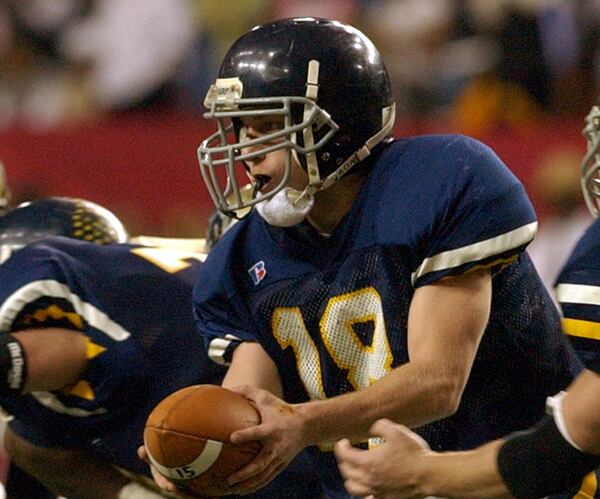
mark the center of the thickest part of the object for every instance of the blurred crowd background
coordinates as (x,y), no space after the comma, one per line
(466,60)
(103,98)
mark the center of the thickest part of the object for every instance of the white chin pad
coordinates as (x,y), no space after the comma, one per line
(287,208)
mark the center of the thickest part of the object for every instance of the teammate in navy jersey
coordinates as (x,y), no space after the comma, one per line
(95,329)
(18,483)
(577,286)
(376,277)
(578,283)
(548,459)
(92,337)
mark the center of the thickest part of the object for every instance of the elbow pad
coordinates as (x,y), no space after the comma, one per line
(539,462)
(13,364)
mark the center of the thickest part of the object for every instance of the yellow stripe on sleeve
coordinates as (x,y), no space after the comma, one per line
(588,487)
(581,328)
(83,390)
(92,349)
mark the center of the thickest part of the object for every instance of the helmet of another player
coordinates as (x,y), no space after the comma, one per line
(325,81)
(59,216)
(590,166)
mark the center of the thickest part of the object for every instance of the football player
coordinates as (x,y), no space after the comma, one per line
(94,332)
(376,277)
(549,458)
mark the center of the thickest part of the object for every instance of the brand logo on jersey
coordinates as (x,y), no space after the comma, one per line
(257,272)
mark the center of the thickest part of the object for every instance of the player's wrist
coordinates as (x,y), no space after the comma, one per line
(321,421)
(426,468)
(306,420)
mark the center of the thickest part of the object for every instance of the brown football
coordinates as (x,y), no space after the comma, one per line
(187,438)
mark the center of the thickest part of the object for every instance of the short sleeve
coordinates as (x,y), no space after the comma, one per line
(479,214)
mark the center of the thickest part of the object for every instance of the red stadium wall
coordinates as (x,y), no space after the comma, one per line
(145,169)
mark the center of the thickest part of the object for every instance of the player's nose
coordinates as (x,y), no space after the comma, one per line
(252,151)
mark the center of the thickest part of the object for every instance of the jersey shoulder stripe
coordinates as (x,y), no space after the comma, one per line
(477,252)
(582,294)
(13,305)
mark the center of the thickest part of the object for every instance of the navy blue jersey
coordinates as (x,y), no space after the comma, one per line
(133,305)
(332,312)
(578,293)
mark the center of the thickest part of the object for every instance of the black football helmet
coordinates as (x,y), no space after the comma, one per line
(328,82)
(59,216)
(590,165)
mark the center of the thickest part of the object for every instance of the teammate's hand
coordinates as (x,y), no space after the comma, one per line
(389,471)
(280,433)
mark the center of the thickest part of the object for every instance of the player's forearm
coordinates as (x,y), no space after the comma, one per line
(55,357)
(472,474)
(442,343)
(582,423)
(411,395)
(252,366)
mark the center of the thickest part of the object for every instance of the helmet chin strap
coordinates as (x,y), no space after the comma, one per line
(290,206)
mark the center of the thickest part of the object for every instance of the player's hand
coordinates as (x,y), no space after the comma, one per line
(280,433)
(390,470)
(163,482)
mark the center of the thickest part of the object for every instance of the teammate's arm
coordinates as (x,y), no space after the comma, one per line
(45,359)
(581,411)
(71,473)
(405,468)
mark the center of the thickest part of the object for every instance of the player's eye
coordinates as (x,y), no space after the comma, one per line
(263,125)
